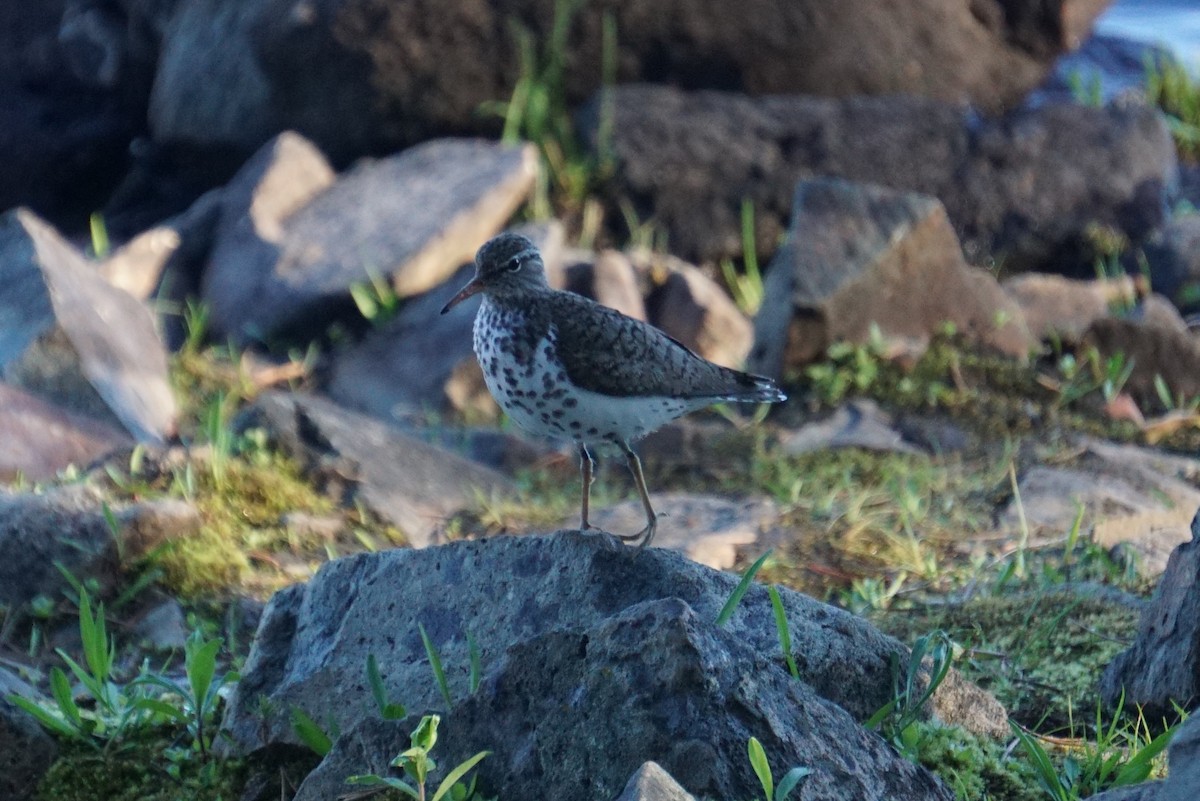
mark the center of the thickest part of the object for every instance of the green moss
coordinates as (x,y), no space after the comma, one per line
(147,769)
(1041,654)
(976,768)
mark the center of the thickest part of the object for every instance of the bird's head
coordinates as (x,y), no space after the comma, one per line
(505,266)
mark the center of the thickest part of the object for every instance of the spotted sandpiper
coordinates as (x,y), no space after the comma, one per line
(563,366)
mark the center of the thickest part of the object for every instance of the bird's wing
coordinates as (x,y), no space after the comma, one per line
(607,352)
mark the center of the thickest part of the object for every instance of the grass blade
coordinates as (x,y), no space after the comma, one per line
(435,661)
(735,597)
(781,626)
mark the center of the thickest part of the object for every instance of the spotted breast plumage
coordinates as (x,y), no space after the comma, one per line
(563,366)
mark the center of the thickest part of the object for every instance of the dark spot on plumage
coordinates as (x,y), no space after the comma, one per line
(558,413)
(540,404)
(576,425)
(570,403)
(593,431)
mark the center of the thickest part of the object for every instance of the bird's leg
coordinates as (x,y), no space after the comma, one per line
(586,466)
(635,467)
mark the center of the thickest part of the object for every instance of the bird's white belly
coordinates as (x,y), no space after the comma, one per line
(539,397)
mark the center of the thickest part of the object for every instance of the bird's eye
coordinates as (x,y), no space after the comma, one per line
(513,264)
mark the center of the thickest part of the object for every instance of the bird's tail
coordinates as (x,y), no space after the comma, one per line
(756,389)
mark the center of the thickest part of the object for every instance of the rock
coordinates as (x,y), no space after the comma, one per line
(65,136)
(1022,189)
(1173,254)
(609,278)
(506,451)
(690,307)
(284,258)
(27,751)
(1055,306)
(1112,66)
(357,77)
(209,86)
(59,336)
(1155,350)
(40,439)
(1183,763)
(67,526)
(1162,666)
(421,360)
(857,424)
(404,481)
(146,525)
(1135,497)
(651,783)
(873,258)
(161,628)
(61,526)
(656,681)
(166,260)
(314,639)
(710,531)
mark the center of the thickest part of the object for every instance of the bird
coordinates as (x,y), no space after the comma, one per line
(562,366)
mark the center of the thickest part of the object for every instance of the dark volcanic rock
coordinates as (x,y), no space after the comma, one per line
(537,598)
(68,335)
(1021,189)
(568,714)
(26,751)
(1163,665)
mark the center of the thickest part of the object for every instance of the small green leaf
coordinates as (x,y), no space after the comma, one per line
(310,733)
(50,721)
(435,661)
(201,665)
(371,780)
(758,761)
(790,781)
(735,597)
(424,737)
(781,626)
(459,771)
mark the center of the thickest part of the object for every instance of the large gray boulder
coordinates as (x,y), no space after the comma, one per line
(1021,190)
(568,714)
(292,240)
(67,335)
(543,607)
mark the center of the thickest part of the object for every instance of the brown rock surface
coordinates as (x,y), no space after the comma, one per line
(865,257)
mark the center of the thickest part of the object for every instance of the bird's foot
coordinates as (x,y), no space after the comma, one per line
(643,537)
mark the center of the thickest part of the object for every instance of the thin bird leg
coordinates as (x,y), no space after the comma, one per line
(635,467)
(586,466)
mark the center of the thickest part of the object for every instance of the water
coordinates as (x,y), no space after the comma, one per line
(1174,24)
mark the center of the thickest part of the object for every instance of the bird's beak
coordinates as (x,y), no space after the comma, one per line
(473,286)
